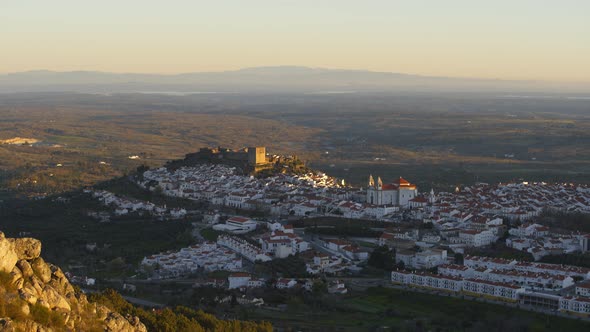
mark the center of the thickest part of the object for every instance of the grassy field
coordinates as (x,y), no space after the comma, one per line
(396,310)
(210,234)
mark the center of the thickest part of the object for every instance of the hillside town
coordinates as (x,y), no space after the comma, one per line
(319,194)
(475,216)
(431,235)
(123,206)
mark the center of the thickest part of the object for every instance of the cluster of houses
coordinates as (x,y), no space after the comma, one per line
(513,201)
(244,281)
(539,240)
(474,211)
(475,217)
(207,256)
(125,205)
(427,249)
(425,259)
(243,248)
(320,262)
(471,217)
(281,194)
(281,241)
(505,279)
(346,249)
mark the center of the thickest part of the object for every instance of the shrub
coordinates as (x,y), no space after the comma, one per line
(6,281)
(46,317)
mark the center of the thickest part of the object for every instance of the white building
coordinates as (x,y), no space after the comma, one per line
(238,280)
(244,248)
(423,279)
(285,283)
(477,238)
(583,289)
(426,259)
(455,270)
(236,225)
(575,304)
(256,282)
(491,288)
(348,249)
(282,243)
(398,193)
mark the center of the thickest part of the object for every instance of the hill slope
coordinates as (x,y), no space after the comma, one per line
(37,296)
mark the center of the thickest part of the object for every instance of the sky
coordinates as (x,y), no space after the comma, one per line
(504,39)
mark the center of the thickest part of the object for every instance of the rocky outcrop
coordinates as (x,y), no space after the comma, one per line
(8,257)
(37,296)
(26,247)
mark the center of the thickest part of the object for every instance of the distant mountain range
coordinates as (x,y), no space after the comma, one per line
(281,79)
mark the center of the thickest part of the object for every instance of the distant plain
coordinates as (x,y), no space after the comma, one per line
(436,140)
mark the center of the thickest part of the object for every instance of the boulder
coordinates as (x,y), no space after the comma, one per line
(102,312)
(37,284)
(137,325)
(8,256)
(18,283)
(61,285)
(56,272)
(6,325)
(114,322)
(27,248)
(41,269)
(25,268)
(17,278)
(54,299)
(28,295)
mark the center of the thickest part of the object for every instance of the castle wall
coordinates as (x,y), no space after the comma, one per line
(250,160)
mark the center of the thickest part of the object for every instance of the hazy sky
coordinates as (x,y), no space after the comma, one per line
(511,39)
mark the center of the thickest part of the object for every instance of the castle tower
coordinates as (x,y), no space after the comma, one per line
(256,155)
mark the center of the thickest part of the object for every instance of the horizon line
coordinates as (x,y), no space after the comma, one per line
(169,74)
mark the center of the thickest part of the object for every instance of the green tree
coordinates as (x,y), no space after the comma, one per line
(382,258)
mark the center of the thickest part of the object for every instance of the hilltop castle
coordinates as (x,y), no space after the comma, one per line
(398,193)
(249,160)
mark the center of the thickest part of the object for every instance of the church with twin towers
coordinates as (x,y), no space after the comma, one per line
(397,193)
